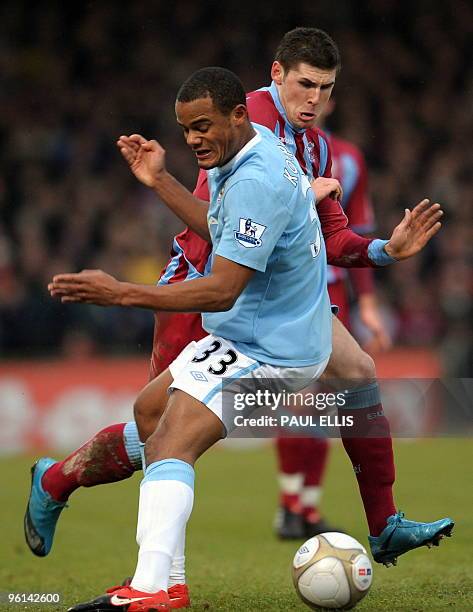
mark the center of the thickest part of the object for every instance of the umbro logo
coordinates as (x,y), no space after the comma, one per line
(200,376)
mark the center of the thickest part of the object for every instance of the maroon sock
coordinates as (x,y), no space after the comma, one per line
(373,462)
(101,460)
(315,461)
(290,462)
(290,455)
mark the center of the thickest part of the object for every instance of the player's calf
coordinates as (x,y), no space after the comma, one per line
(111,455)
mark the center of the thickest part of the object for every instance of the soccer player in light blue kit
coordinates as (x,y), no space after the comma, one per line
(265,301)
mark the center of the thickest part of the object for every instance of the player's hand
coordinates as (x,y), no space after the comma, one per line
(415,230)
(146,158)
(327,188)
(88,287)
(371,318)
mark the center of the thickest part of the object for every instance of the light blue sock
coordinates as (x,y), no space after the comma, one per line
(170,469)
(166,499)
(133,445)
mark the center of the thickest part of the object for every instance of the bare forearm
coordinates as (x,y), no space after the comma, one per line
(186,206)
(199,295)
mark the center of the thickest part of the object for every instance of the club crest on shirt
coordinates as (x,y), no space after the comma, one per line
(287,140)
(249,233)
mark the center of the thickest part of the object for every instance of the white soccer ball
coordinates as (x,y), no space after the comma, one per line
(332,570)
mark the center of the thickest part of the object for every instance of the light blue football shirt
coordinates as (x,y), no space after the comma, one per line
(262,215)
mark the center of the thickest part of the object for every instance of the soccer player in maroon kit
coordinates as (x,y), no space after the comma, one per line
(302,461)
(303,75)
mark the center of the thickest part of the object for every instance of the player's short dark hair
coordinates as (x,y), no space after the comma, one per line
(310,46)
(221,85)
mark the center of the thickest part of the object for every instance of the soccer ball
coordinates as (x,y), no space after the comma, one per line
(332,570)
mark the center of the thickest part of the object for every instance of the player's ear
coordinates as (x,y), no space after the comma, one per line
(240,113)
(277,72)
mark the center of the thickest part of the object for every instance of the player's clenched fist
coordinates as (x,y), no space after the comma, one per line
(146,158)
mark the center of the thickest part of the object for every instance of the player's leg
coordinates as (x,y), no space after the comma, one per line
(315,452)
(289,520)
(301,466)
(42,515)
(107,457)
(187,429)
(111,455)
(372,455)
(147,416)
(372,458)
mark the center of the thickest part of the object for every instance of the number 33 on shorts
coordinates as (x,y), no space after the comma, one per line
(230,357)
(202,367)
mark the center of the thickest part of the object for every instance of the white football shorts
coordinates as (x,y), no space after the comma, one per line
(213,371)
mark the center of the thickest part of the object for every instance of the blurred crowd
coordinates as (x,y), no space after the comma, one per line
(74,76)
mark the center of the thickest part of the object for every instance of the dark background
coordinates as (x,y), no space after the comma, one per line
(74,77)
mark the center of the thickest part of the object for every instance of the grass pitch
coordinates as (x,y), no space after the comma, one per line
(234,561)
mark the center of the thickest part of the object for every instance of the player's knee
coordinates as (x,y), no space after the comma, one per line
(354,365)
(145,417)
(364,367)
(139,411)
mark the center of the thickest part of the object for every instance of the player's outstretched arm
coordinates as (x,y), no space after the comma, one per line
(347,249)
(416,228)
(214,293)
(147,161)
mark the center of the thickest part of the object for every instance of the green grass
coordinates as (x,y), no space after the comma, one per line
(234,561)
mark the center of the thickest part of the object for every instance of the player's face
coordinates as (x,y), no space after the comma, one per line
(304,92)
(213,136)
